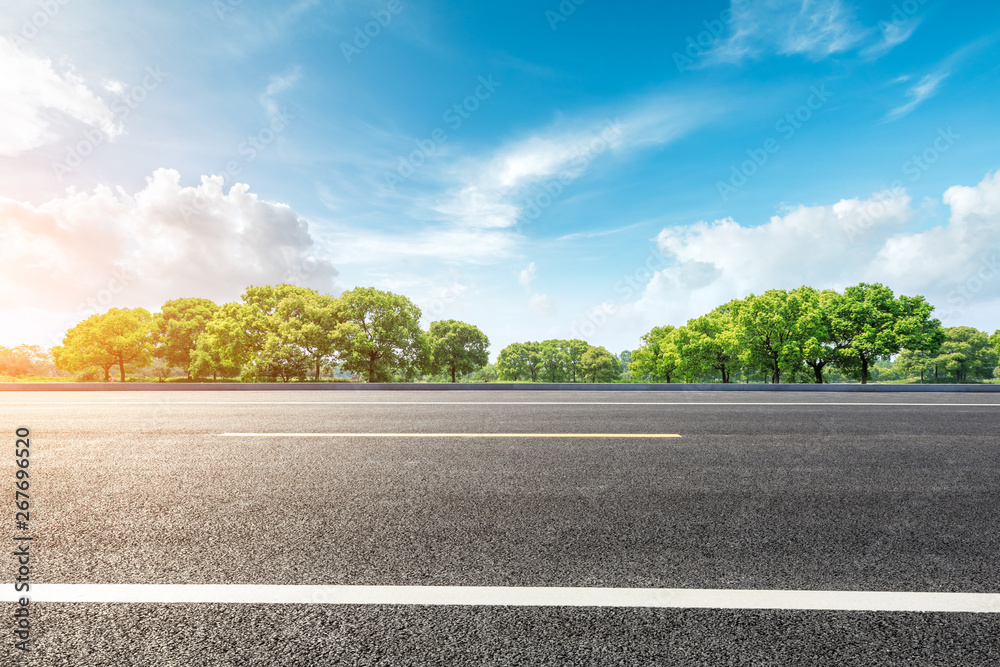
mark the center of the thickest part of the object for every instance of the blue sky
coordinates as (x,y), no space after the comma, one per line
(540,169)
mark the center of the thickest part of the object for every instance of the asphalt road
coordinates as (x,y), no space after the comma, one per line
(871,492)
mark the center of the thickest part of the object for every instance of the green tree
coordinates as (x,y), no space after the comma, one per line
(574,350)
(179,324)
(712,345)
(874,325)
(118,337)
(650,360)
(770,328)
(378,334)
(519,361)
(555,360)
(967,354)
(305,320)
(818,343)
(597,364)
(210,359)
(911,363)
(457,347)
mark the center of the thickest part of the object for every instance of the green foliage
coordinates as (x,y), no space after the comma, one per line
(378,335)
(710,345)
(304,320)
(179,324)
(519,362)
(873,324)
(457,348)
(119,337)
(795,335)
(772,327)
(557,361)
(966,353)
(598,365)
(656,360)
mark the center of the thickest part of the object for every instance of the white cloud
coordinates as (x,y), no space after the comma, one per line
(832,247)
(816,28)
(925,89)
(542,305)
(164,242)
(523,178)
(31,89)
(894,33)
(527,276)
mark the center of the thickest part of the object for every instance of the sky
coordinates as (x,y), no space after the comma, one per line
(544,169)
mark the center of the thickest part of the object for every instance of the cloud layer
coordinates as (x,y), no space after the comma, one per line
(31,90)
(89,251)
(835,246)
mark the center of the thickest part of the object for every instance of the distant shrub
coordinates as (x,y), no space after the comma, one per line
(90,375)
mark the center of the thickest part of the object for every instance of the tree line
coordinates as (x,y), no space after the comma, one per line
(285,332)
(280,332)
(557,361)
(801,334)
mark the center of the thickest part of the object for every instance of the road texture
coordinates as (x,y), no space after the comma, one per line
(866,492)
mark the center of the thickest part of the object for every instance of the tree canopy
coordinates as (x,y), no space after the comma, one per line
(179,324)
(457,348)
(119,337)
(378,333)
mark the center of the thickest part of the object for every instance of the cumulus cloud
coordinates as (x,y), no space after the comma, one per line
(88,251)
(834,246)
(31,90)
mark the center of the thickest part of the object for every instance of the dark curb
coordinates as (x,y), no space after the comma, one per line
(493,386)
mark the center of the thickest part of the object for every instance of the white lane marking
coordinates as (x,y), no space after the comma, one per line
(161,403)
(512,596)
(450,435)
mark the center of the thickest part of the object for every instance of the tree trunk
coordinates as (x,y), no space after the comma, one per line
(864,370)
(453,374)
(371,369)
(121,370)
(317,368)
(818,370)
(107,374)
